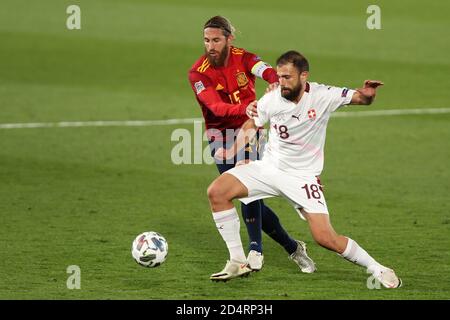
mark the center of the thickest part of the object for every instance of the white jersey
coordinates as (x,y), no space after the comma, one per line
(297,131)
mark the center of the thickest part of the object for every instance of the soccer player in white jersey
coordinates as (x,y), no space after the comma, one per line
(298,113)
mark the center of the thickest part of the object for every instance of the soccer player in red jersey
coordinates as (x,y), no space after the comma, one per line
(223,80)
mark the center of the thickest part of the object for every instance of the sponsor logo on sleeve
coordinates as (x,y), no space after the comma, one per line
(199,87)
(344,93)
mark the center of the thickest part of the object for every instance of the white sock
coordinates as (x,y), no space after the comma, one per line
(228,224)
(354,253)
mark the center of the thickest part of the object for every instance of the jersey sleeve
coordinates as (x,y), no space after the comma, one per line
(208,96)
(339,97)
(259,68)
(263,110)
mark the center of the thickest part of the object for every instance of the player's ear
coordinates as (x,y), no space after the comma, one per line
(304,75)
(230,39)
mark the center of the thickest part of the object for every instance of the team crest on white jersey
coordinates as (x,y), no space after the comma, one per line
(312,114)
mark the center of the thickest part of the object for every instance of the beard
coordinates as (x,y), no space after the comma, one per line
(291,94)
(219,59)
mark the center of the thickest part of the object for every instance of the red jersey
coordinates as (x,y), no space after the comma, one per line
(224,92)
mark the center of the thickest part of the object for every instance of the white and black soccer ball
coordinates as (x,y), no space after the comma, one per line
(149,249)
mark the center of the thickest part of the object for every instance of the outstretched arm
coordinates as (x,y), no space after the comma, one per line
(366,95)
(246,133)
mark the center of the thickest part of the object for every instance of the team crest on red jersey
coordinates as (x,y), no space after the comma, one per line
(242,79)
(312,114)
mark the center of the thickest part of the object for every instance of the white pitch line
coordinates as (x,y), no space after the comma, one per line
(391,112)
(143,123)
(129,123)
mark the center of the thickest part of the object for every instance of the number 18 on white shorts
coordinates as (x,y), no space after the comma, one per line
(264,180)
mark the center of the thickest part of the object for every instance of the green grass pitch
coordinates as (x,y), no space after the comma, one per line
(79,196)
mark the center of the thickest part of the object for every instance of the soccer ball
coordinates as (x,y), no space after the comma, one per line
(149,249)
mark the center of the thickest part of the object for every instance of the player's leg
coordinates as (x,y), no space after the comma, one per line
(220,194)
(252,217)
(223,190)
(271,225)
(324,234)
(268,221)
(289,187)
(257,186)
(251,212)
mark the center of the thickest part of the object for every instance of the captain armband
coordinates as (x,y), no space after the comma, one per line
(259,68)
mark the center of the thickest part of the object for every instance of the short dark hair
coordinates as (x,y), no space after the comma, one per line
(296,58)
(220,23)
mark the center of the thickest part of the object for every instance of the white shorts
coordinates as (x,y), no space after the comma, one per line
(264,180)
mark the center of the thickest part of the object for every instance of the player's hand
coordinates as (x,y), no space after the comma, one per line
(272,86)
(369,91)
(251,109)
(372,84)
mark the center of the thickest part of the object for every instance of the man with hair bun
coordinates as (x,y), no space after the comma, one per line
(223,80)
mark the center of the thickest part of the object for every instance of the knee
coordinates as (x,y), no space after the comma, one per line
(215,193)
